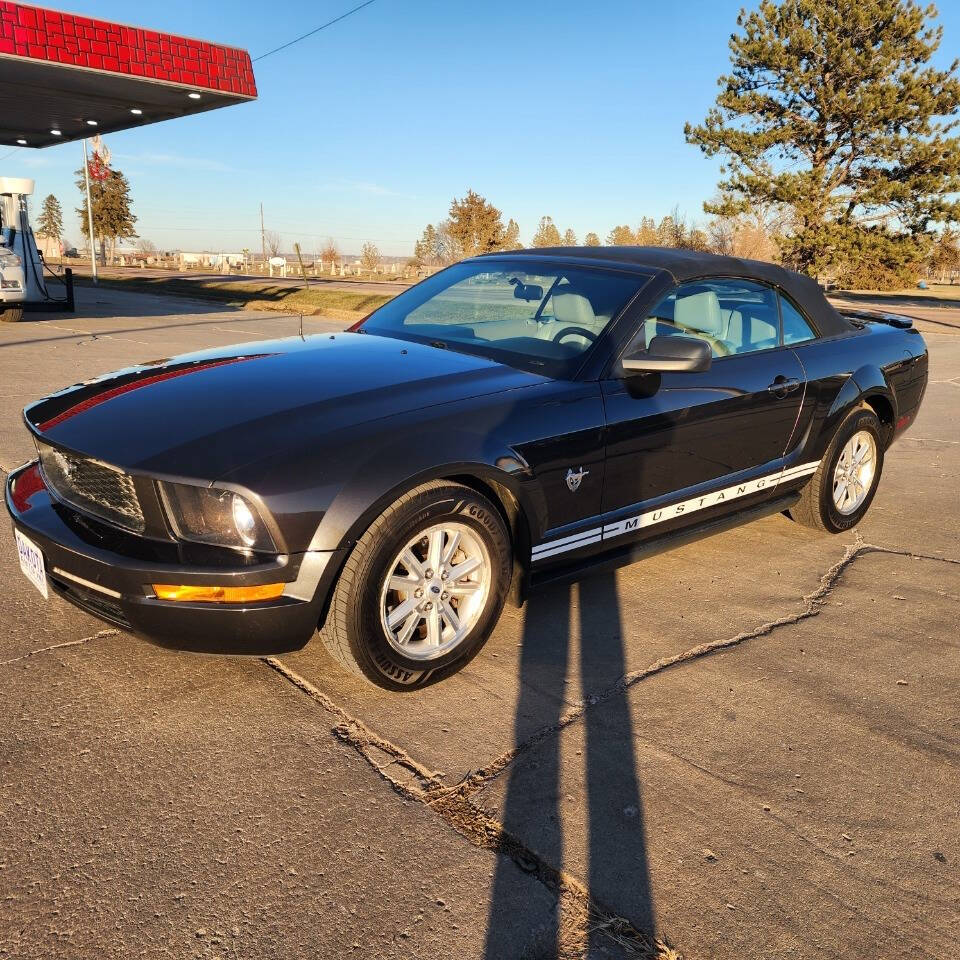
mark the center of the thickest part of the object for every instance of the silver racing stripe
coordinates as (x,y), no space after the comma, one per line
(562,546)
(670,512)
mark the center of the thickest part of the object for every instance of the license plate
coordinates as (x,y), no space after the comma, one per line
(31,562)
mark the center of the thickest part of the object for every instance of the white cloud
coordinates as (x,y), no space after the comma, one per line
(366,186)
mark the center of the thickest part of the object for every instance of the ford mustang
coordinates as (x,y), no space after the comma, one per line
(513,420)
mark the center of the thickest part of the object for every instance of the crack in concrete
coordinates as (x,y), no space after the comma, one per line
(60,646)
(813,603)
(455,804)
(580,914)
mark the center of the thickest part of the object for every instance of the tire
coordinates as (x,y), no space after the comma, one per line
(11,315)
(357,630)
(817,507)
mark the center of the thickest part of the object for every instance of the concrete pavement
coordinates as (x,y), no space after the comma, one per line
(748,746)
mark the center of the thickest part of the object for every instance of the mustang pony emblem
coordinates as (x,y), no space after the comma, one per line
(574,479)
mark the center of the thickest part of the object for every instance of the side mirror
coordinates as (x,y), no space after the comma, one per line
(670,355)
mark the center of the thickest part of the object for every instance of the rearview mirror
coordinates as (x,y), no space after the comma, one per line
(670,355)
(526,291)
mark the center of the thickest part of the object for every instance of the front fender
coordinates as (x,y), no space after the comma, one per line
(395,466)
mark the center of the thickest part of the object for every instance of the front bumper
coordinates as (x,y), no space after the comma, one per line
(112,582)
(10,295)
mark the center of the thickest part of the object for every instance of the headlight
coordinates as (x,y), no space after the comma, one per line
(209,515)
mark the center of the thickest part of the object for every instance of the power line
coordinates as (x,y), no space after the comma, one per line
(329,23)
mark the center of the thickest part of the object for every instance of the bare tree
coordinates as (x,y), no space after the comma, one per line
(753,236)
(272,242)
(330,253)
(448,246)
(370,257)
(944,259)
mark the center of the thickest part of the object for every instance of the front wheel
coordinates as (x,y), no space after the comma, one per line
(842,489)
(422,589)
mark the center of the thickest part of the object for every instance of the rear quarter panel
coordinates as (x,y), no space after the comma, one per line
(879,364)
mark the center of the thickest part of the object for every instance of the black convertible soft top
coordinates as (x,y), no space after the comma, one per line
(692,265)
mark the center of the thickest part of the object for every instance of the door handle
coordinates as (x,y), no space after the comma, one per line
(782,385)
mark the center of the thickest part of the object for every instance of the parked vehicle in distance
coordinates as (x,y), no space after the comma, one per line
(510,421)
(12,282)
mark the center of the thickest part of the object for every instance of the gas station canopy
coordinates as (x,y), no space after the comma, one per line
(64,77)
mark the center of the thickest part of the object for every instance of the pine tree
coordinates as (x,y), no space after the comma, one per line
(591,240)
(426,249)
(50,221)
(547,234)
(647,233)
(833,112)
(476,225)
(113,218)
(569,238)
(621,236)
(511,236)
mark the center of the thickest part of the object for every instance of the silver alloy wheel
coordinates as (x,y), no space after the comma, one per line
(435,590)
(855,471)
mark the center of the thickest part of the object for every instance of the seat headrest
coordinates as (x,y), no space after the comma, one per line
(699,311)
(573,309)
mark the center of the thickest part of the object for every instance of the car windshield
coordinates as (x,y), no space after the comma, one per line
(536,315)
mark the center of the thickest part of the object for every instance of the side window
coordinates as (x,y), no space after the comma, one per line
(795,327)
(733,316)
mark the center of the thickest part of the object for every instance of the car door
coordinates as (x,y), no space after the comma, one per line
(678,437)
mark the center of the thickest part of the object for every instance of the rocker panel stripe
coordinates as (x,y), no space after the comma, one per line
(670,512)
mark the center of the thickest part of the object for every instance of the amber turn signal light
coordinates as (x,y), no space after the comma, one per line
(266,591)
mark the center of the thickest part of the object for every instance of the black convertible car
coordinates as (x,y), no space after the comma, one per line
(512,420)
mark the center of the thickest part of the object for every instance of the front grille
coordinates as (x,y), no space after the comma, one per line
(92,486)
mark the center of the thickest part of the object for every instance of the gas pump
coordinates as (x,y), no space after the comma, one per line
(13,283)
(21,267)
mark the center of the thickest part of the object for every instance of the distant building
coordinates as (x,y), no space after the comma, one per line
(50,247)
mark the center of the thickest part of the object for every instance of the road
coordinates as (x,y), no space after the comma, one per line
(325,283)
(748,747)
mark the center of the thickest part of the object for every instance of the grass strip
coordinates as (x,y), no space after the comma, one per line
(254,295)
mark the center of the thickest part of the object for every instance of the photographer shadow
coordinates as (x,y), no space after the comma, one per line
(605,824)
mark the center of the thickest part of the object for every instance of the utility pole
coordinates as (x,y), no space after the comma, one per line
(263,235)
(93,242)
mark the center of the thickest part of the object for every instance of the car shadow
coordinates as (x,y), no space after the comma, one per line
(537,791)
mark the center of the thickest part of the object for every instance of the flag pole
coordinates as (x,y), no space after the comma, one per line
(86,183)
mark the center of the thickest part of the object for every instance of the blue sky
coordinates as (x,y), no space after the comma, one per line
(368,129)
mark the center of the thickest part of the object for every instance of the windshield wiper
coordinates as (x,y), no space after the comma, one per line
(439,344)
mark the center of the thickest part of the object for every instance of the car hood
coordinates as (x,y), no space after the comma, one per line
(202,415)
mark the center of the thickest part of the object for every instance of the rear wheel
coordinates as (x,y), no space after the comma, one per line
(842,489)
(11,314)
(423,588)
